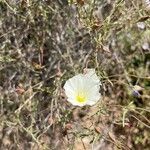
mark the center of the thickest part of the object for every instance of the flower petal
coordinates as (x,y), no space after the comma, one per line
(90,73)
(94,99)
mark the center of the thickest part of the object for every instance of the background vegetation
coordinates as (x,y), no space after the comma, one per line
(45,42)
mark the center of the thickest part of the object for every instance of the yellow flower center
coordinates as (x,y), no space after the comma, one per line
(81,97)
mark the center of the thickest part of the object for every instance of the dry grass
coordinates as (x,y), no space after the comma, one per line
(43,43)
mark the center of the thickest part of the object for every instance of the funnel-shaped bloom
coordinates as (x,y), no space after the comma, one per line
(83,89)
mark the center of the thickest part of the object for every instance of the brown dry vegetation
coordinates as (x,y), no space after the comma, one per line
(45,42)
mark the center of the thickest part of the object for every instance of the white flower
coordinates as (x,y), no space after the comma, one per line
(83,89)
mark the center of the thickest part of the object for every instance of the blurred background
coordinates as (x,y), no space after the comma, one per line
(45,42)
